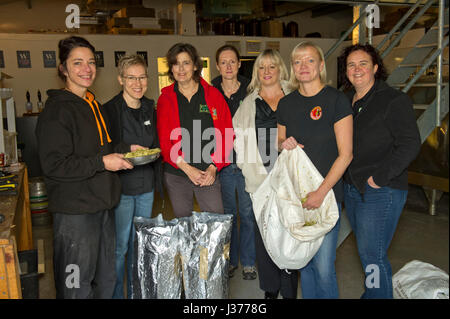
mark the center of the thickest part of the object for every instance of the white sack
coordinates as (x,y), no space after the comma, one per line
(419,280)
(281,217)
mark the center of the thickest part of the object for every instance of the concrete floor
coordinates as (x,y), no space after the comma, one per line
(419,236)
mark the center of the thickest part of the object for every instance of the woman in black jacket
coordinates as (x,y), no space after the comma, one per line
(77,160)
(133,127)
(385,141)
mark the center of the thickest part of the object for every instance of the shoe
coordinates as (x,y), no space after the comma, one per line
(270,295)
(231,270)
(249,272)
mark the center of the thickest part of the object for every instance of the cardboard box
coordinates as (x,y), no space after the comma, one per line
(118,22)
(135,12)
(272,29)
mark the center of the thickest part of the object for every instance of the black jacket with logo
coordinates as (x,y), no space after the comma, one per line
(385,139)
(145,178)
(72,135)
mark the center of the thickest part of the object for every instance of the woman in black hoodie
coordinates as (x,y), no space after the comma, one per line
(78,162)
(385,141)
(133,126)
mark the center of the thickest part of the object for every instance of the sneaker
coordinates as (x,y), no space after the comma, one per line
(231,270)
(249,272)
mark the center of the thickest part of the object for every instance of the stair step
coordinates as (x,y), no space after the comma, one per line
(420,106)
(415,65)
(419,84)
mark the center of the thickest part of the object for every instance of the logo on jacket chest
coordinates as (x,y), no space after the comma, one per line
(316,113)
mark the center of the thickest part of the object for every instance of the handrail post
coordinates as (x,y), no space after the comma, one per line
(344,36)
(439,63)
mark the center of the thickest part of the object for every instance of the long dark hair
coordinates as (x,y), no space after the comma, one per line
(178,48)
(65,46)
(374,55)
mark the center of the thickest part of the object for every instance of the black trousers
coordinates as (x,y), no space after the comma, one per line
(271,278)
(84,255)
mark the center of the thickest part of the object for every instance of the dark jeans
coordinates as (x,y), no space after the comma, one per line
(374,218)
(242,240)
(318,278)
(83,255)
(181,193)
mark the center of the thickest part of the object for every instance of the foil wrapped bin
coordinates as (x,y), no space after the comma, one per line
(185,257)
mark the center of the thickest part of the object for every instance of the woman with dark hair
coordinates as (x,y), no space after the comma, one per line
(133,127)
(385,141)
(195,133)
(77,160)
(234,89)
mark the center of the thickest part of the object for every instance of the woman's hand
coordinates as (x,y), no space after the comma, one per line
(209,176)
(314,200)
(194,174)
(115,162)
(372,183)
(135,147)
(290,143)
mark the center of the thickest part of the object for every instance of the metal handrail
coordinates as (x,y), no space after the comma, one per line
(345,35)
(427,63)
(398,25)
(407,28)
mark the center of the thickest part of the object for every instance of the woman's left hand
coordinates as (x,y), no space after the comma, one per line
(371,183)
(209,176)
(313,200)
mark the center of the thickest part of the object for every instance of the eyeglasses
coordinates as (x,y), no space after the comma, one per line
(135,78)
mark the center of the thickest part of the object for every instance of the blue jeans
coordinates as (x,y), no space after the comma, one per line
(242,241)
(318,277)
(130,206)
(374,217)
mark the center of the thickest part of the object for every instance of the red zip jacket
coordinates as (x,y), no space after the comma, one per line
(168,122)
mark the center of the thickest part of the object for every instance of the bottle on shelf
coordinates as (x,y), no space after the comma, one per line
(40,105)
(29,105)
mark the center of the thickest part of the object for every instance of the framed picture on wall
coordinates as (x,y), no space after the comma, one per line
(118,55)
(2,60)
(253,46)
(49,59)
(143,54)
(99,61)
(23,59)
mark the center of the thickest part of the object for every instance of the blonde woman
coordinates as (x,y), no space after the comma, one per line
(255,124)
(320,118)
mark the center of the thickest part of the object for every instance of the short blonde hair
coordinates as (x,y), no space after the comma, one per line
(294,83)
(275,56)
(128,60)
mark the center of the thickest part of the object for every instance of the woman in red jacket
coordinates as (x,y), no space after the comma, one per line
(196,134)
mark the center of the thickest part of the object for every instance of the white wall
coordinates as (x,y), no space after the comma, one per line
(106,85)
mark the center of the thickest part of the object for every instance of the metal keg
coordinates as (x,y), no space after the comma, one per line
(40,215)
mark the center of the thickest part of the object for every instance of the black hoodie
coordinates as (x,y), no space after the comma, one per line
(72,138)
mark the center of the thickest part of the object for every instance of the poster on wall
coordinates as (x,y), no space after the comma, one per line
(99,61)
(24,59)
(253,47)
(143,54)
(49,59)
(2,60)
(118,55)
